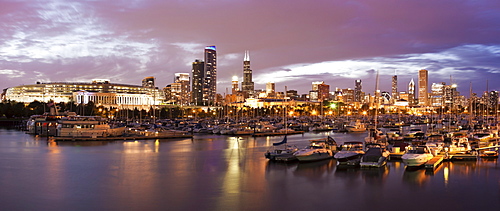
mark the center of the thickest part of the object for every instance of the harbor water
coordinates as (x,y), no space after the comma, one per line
(216,172)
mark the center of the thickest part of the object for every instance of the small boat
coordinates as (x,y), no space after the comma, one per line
(318,149)
(281,154)
(417,156)
(375,156)
(355,127)
(350,153)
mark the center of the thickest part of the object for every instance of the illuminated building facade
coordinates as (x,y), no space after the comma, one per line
(395,93)
(411,93)
(423,81)
(100,92)
(198,76)
(320,91)
(357,91)
(179,92)
(348,95)
(234,85)
(210,80)
(437,94)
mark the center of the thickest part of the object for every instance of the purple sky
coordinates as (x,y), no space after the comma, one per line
(292,43)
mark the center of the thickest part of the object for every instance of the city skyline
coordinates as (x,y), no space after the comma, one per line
(294,45)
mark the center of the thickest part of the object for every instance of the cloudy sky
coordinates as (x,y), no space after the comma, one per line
(291,42)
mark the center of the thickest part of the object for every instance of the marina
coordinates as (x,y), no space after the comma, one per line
(224,172)
(224,153)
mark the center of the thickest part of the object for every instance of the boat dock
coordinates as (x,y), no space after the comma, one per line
(434,162)
(117,138)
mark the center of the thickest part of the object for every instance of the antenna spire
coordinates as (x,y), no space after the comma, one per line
(247,56)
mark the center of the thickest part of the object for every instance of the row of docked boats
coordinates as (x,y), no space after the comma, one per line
(376,149)
(349,153)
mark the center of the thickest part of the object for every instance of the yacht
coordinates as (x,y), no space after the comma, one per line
(355,127)
(375,156)
(457,143)
(86,126)
(318,149)
(350,153)
(417,156)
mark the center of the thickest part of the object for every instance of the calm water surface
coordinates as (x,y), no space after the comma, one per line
(213,172)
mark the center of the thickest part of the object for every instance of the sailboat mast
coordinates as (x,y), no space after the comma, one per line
(470,105)
(284,116)
(376,101)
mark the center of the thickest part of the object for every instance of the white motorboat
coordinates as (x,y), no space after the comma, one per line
(417,156)
(350,153)
(318,149)
(375,156)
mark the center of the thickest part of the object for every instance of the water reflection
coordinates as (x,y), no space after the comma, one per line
(415,176)
(223,173)
(375,176)
(315,170)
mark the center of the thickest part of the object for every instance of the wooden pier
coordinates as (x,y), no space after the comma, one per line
(434,162)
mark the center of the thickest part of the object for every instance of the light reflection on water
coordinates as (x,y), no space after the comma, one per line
(224,173)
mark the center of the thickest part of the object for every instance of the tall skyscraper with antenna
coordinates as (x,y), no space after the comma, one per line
(247,85)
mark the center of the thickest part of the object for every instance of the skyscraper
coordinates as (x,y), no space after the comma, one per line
(198,75)
(210,80)
(320,91)
(423,80)
(411,92)
(247,85)
(395,93)
(181,89)
(357,91)
(323,92)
